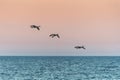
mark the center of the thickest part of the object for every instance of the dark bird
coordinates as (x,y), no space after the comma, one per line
(53,35)
(79,47)
(34,26)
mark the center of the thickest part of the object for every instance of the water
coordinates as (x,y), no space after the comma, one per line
(59,68)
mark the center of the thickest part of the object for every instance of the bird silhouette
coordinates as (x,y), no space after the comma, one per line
(79,47)
(34,26)
(54,35)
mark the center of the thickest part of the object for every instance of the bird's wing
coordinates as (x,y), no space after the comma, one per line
(84,48)
(58,36)
(53,36)
(75,47)
(50,35)
(33,26)
(38,28)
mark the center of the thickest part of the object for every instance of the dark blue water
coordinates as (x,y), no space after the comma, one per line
(59,68)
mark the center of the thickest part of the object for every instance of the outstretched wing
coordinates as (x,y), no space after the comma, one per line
(33,26)
(76,47)
(58,36)
(38,28)
(50,35)
(83,47)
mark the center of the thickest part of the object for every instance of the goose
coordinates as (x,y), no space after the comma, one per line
(53,35)
(34,26)
(79,47)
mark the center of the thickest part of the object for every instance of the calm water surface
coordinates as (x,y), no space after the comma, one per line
(59,68)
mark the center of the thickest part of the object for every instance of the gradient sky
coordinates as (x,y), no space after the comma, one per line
(92,23)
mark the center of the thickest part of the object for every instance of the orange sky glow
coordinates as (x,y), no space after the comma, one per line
(93,23)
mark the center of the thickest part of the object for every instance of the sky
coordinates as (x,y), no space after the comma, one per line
(92,23)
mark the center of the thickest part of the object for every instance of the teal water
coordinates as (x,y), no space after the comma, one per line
(59,68)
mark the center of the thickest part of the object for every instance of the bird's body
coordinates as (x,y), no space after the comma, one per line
(53,35)
(34,26)
(79,47)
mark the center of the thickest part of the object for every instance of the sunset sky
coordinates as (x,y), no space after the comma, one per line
(92,23)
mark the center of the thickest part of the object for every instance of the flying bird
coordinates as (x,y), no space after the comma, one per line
(34,26)
(79,47)
(54,35)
